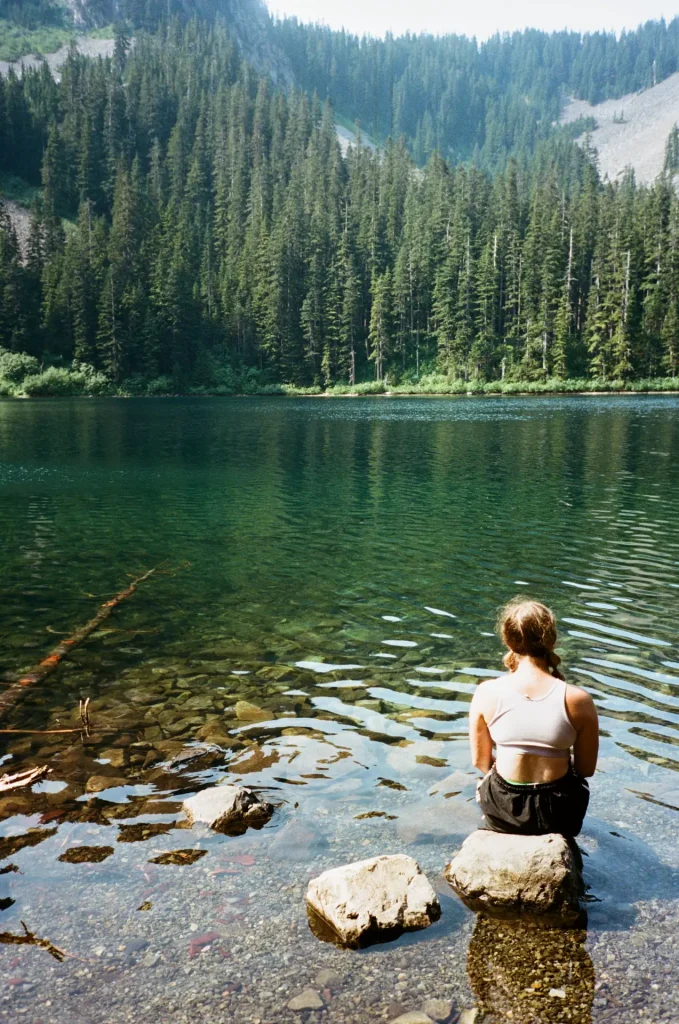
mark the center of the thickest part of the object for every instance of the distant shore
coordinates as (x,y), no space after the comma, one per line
(400,393)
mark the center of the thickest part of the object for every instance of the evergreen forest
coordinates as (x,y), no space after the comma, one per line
(197,230)
(484,102)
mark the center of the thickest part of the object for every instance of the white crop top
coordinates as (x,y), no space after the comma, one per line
(532,726)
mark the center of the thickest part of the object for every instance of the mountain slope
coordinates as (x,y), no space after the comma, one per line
(467,101)
(248,21)
(631,131)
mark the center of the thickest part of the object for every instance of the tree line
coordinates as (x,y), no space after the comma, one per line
(192,219)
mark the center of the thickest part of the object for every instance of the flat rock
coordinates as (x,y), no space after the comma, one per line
(228,809)
(298,840)
(440,1010)
(246,712)
(507,875)
(413,1017)
(116,757)
(327,978)
(309,999)
(98,783)
(424,820)
(371,900)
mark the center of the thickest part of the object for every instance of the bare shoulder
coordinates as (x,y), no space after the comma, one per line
(579,702)
(485,694)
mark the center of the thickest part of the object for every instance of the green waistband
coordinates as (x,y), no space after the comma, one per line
(513,782)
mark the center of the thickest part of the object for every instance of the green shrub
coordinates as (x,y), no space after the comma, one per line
(162,385)
(57,381)
(134,385)
(14,366)
(53,381)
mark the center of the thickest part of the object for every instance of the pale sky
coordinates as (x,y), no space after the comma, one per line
(481,18)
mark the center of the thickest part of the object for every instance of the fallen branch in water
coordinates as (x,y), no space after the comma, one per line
(48,665)
(22,779)
(37,732)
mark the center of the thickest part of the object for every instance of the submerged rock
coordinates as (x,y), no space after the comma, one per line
(246,712)
(327,978)
(440,1010)
(298,840)
(371,901)
(309,999)
(100,783)
(228,809)
(413,1017)
(509,875)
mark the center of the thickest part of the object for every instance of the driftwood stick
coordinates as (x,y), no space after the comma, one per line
(38,732)
(15,691)
(23,779)
(84,715)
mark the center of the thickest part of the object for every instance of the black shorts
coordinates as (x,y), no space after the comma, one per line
(535,810)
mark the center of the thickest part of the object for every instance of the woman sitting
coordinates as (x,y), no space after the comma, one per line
(534,719)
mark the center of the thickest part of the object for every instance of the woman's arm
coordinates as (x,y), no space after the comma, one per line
(583,714)
(479,736)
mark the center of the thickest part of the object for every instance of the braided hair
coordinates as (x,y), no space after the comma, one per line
(528,628)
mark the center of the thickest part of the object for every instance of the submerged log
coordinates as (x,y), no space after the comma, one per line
(43,669)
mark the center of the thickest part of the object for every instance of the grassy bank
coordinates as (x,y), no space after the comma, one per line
(21,376)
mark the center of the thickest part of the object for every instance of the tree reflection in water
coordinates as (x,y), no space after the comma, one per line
(530,975)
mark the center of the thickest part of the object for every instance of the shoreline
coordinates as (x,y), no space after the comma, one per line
(354,394)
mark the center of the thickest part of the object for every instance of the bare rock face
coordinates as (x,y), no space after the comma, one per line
(371,901)
(509,876)
(228,809)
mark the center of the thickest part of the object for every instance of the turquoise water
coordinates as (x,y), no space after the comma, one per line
(338,564)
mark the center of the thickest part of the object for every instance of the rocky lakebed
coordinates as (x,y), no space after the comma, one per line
(159,920)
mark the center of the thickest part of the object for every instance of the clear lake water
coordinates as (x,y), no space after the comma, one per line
(330,575)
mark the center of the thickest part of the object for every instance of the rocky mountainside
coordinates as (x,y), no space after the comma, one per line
(631,131)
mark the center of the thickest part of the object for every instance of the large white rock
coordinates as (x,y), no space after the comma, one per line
(373,899)
(511,875)
(229,809)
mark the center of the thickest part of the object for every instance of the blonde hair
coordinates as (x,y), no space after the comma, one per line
(528,628)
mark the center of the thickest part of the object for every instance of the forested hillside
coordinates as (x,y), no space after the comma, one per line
(466,100)
(199,229)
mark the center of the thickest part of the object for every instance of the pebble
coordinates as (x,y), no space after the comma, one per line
(309,999)
(413,1017)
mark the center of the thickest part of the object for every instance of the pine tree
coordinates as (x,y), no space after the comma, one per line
(381,327)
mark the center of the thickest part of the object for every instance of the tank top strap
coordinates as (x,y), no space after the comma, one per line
(505,697)
(559,692)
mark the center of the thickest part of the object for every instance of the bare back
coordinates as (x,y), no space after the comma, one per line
(536,687)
